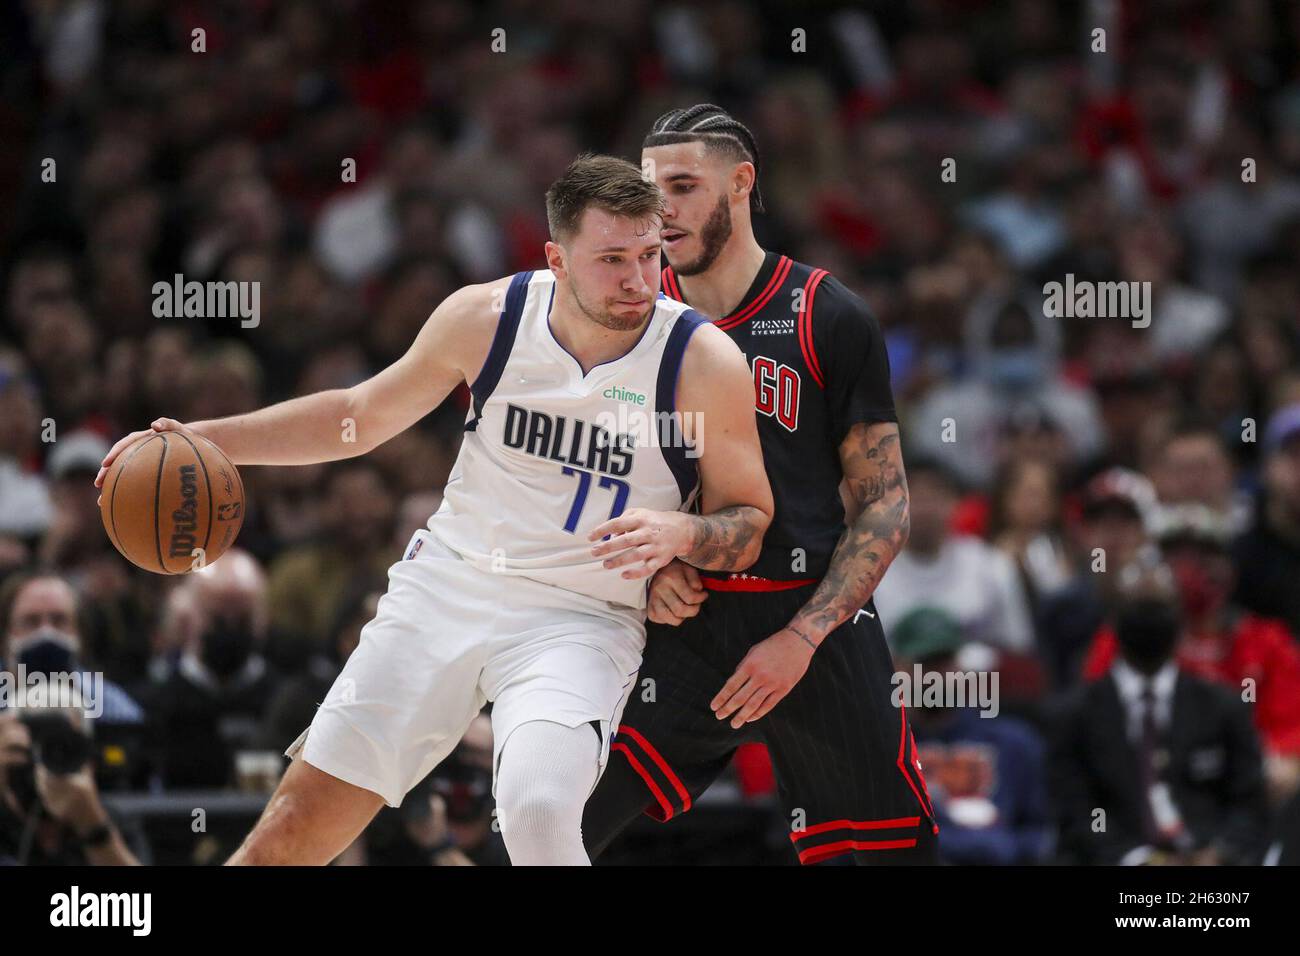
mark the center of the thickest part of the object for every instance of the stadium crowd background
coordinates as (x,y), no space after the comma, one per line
(1175,446)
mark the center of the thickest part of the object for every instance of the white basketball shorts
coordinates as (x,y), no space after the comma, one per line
(447,637)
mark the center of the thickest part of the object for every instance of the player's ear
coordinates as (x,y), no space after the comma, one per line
(555,258)
(742,181)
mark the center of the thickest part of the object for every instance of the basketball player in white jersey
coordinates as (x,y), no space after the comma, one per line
(527,588)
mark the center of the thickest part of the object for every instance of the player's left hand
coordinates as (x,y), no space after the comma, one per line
(676,593)
(642,541)
(767,673)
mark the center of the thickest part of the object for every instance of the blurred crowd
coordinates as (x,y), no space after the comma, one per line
(1104,514)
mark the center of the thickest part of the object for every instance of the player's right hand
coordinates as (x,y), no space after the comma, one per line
(676,593)
(158,425)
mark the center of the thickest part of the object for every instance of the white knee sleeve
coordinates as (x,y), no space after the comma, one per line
(547,772)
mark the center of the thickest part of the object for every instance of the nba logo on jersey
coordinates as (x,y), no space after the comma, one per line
(551,451)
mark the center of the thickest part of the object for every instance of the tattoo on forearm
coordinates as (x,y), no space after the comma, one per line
(883,469)
(874,471)
(721,538)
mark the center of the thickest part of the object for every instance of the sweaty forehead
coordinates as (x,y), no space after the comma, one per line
(601,229)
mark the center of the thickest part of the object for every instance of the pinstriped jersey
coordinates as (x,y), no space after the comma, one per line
(819,364)
(549,452)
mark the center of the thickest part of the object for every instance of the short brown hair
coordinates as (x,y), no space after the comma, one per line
(606,182)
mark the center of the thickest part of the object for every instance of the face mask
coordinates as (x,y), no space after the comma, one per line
(1016,368)
(1147,631)
(227,645)
(466,789)
(48,651)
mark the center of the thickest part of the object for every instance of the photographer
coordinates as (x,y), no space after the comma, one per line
(50,812)
(447,820)
(42,618)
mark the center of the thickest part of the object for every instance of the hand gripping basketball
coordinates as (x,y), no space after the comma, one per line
(172,501)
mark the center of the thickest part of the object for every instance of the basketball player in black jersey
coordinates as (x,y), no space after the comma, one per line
(790,653)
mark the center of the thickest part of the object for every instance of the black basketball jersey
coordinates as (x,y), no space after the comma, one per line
(820,367)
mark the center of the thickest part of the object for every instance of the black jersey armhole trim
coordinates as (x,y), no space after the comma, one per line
(502,344)
(672,442)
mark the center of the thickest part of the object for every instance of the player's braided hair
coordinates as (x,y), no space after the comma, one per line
(717,129)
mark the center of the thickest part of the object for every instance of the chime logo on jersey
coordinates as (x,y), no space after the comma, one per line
(571,442)
(776,391)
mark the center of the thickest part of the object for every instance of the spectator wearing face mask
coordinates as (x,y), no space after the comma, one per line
(1013,357)
(213,704)
(51,752)
(1151,764)
(42,626)
(1110,534)
(1254,657)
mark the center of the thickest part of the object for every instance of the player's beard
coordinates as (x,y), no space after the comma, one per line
(713,237)
(606,318)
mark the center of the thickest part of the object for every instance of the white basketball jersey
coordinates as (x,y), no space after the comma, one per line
(550,453)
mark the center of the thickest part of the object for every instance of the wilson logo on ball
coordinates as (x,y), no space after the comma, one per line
(169,497)
(183,540)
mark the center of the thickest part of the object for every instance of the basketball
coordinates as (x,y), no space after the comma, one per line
(172,503)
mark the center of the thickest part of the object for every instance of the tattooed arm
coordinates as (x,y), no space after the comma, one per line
(643,541)
(715,395)
(848,345)
(727,540)
(878,518)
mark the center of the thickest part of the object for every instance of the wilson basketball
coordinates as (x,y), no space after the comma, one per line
(172,503)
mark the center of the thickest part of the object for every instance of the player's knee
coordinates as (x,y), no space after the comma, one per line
(547,771)
(547,807)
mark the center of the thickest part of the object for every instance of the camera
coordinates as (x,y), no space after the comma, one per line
(56,744)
